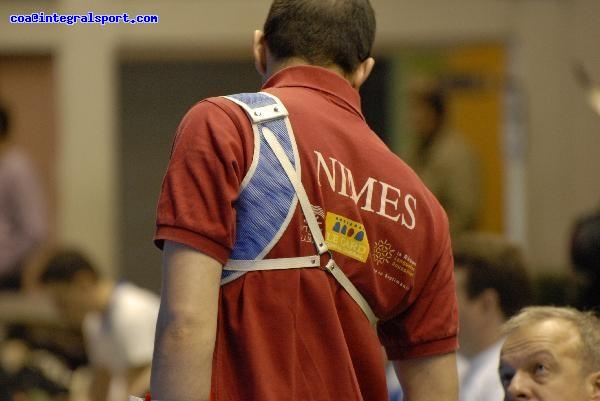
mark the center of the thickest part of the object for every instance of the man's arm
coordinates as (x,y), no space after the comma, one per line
(186,327)
(428,379)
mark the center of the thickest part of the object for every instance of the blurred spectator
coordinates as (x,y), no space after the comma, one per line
(585,256)
(492,285)
(442,158)
(551,354)
(395,392)
(22,209)
(118,321)
(29,373)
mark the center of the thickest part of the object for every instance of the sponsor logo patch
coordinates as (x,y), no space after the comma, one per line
(346,236)
(383,252)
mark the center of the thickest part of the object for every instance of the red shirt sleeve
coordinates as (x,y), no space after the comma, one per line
(429,325)
(208,162)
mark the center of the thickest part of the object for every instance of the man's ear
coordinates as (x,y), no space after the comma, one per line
(593,386)
(259,49)
(362,72)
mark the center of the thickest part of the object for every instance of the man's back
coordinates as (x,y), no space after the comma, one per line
(296,334)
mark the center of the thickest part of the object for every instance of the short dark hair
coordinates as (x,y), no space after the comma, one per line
(322,32)
(63,265)
(585,245)
(3,122)
(494,262)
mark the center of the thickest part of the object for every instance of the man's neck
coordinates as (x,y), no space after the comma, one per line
(487,338)
(274,66)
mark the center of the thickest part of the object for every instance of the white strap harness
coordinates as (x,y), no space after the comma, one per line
(258,116)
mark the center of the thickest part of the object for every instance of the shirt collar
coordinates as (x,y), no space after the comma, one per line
(317,78)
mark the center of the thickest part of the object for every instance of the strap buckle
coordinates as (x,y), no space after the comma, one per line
(330,264)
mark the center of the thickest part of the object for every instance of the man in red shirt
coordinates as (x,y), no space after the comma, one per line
(298,334)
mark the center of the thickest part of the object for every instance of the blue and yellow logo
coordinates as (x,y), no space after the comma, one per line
(346,236)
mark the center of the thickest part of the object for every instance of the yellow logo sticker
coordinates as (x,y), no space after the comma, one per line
(346,237)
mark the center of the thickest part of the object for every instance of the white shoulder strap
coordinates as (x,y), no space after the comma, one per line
(275,111)
(318,239)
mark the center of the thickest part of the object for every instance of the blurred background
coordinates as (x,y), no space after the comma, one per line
(95,108)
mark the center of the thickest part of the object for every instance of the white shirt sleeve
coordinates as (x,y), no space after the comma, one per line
(134,324)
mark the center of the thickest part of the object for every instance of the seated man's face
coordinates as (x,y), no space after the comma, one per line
(423,118)
(74,299)
(543,362)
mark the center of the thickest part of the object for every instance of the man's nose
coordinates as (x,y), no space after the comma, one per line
(518,388)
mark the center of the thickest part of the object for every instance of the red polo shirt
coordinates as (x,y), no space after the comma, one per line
(296,334)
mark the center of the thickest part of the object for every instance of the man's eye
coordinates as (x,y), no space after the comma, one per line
(540,369)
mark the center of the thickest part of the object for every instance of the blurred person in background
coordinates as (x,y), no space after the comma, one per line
(585,257)
(29,373)
(442,158)
(23,221)
(551,354)
(492,284)
(395,392)
(118,321)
